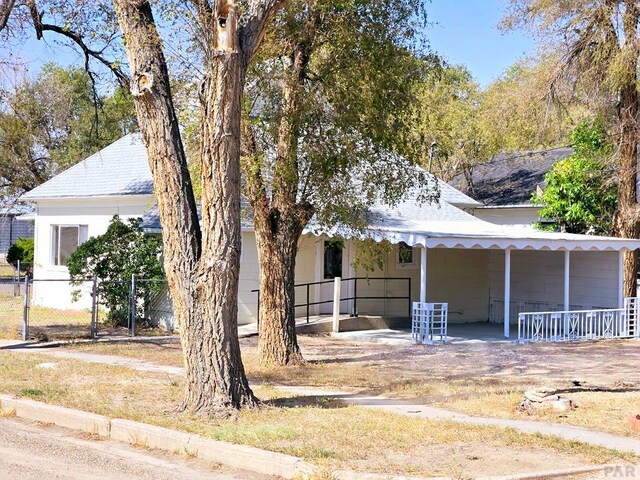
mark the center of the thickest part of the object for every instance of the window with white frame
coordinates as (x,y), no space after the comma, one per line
(404,256)
(64,241)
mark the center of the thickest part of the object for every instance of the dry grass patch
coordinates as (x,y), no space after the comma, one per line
(486,380)
(44,323)
(317,429)
(605,411)
(7,271)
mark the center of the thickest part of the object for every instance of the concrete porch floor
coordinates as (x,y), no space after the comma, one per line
(459,333)
(463,333)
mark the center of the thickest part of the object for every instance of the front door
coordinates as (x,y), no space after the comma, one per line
(332,266)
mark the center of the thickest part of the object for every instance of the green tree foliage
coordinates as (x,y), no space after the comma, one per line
(445,121)
(350,68)
(580,196)
(516,112)
(21,251)
(122,251)
(470,125)
(54,121)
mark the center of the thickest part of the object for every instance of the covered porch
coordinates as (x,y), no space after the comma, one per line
(487,274)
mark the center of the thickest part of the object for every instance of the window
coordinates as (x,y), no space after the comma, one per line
(405,256)
(64,241)
(333,259)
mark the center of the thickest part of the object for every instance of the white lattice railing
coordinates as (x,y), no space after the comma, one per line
(429,322)
(580,324)
(496,308)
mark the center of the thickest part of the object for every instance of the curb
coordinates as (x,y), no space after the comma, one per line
(236,456)
(151,436)
(63,417)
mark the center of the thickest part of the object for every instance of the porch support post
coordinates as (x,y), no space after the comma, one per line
(507,291)
(319,277)
(336,304)
(621,279)
(423,275)
(567,279)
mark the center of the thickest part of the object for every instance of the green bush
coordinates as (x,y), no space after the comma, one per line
(21,251)
(122,251)
(580,194)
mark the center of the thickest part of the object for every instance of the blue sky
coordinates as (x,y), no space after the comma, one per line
(466,32)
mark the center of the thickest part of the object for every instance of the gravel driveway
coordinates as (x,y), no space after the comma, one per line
(32,452)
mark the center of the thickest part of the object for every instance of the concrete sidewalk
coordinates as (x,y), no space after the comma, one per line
(567,432)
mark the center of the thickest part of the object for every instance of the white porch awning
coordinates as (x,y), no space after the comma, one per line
(446,226)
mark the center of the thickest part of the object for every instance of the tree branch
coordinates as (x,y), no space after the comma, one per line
(123,79)
(76,38)
(5,11)
(253,25)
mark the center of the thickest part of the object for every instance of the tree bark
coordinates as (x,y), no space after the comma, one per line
(277,241)
(202,265)
(278,224)
(627,221)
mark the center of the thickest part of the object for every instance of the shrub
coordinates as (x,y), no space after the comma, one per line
(122,251)
(21,251)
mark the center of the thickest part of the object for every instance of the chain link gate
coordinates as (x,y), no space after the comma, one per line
(80,308)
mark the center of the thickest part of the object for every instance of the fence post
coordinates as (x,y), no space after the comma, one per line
(16,288)
(308,302)
(25,312)
(134,300)
(94,306)
(336,304)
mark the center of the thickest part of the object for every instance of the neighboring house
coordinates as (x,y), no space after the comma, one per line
(440,252)
(15,222)
(505,184)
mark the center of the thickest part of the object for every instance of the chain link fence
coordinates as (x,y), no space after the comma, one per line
(62,309)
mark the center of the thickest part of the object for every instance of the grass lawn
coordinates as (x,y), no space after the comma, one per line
(45,323)
(7,271)
(322,431)
(487,380)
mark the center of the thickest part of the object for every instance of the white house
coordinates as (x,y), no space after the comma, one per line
(440,252)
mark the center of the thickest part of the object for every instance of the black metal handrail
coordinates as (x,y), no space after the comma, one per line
(354,298)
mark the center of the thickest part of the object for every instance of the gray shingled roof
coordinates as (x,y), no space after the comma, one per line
(509,178)
(119,169)
(151,218)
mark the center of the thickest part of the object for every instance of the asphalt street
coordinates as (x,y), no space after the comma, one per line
(31,451)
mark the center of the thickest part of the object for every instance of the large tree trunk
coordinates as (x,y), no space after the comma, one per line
(279,223)
(627,221)
(202,269)
(277,238)
(218,274)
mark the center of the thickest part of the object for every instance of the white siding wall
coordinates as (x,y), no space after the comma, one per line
(390,288)
(96,214)
(508,216)
(456,276)
(538,277)
(594,279)
(460,278)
